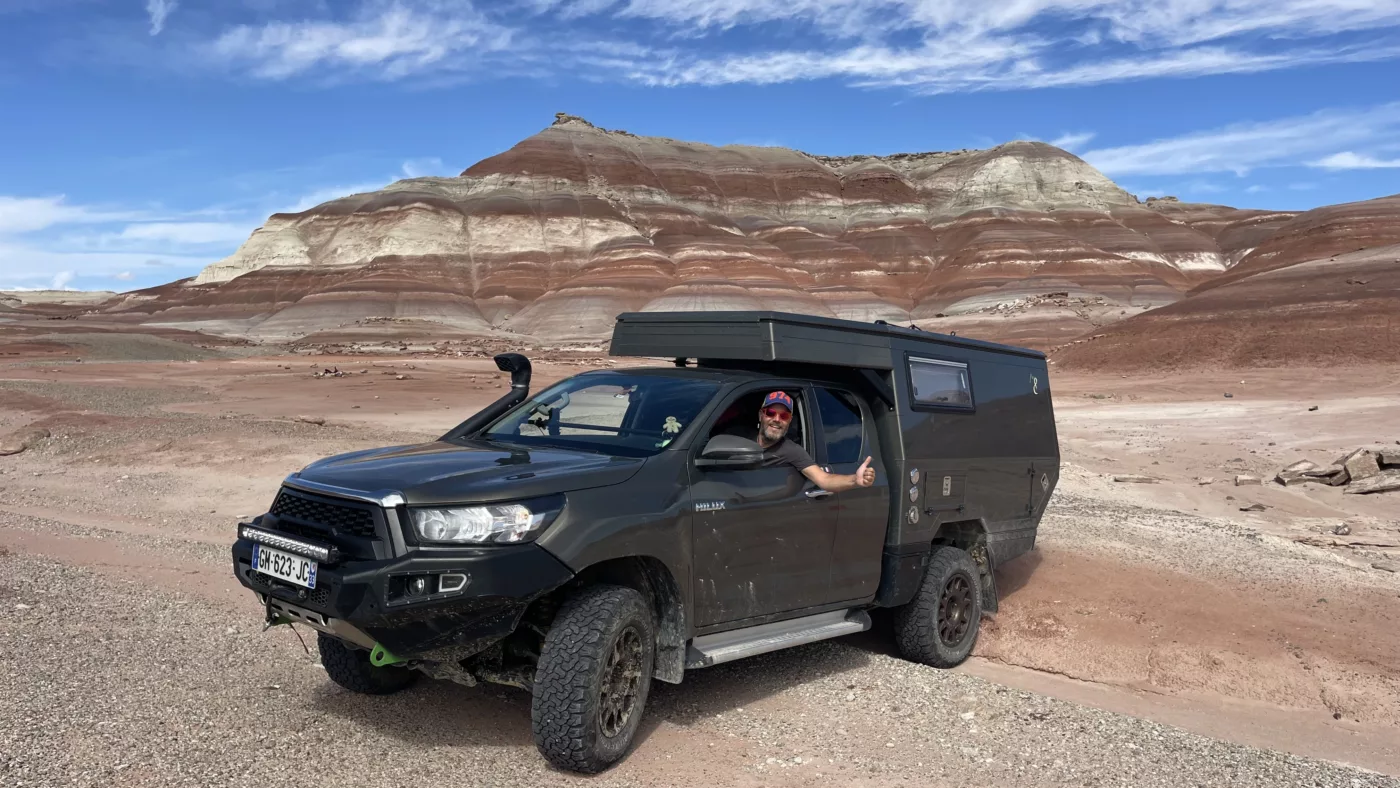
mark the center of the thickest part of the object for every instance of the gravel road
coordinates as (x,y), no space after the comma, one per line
(115,682)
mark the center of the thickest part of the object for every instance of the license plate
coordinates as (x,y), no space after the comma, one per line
(284,566)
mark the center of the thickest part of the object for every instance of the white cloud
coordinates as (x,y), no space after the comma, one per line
(159,10)
(37,265)
(61,280)
(185,233)
(394,41)
(124,276)
(1256,189)
(30,214)
(1072,140)
(1242,147)
(1347,160)
(420,168)
(924,46)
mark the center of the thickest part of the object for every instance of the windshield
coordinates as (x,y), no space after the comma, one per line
(612,412)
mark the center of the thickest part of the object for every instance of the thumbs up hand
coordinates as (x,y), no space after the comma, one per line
(865,475)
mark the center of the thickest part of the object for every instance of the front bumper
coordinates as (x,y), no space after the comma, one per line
(367,596)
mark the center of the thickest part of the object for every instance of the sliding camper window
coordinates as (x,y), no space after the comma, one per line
(939,384)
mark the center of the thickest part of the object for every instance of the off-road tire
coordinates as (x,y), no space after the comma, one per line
(919,630)
(350,668)
(574,668)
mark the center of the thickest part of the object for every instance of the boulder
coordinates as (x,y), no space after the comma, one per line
(1243,480)
(1387,481)
(1360,464)
(1131,479)
(20,440)
(1390,459)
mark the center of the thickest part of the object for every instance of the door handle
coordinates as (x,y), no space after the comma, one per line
(818,493)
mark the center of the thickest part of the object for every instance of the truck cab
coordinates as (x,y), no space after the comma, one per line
(625,525)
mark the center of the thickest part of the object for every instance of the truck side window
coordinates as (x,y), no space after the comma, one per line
(741,417)
(940,382)
(842,423)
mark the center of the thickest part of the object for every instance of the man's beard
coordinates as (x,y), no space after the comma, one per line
(774,434)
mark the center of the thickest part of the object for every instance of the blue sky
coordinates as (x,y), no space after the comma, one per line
(143,139)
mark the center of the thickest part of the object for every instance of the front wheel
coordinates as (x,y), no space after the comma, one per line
(939,625)
(593,678)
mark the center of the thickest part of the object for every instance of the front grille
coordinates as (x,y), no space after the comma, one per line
(344,519)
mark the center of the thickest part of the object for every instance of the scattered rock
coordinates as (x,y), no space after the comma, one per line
(1243,480)
(1295,473)
(1131,479)
(1341,530)
(21,440)
(317,420)
(1228,395)
(1254,507)
(1385,481)
(1206,480)
(1360,464)
(1386,566)
(1389,459)
(1313,408)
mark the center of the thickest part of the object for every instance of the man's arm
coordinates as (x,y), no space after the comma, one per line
(837,482)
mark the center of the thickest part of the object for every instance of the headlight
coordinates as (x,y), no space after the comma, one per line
(493,523)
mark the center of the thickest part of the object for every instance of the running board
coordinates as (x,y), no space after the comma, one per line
(751,641)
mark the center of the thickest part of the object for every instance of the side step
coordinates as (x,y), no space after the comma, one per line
(751,641)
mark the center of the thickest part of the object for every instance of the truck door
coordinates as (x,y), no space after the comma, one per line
(862,515)
(761,544)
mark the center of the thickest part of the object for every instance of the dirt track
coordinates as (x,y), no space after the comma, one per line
(1160,601)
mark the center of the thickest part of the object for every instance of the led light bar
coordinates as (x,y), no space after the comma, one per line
(323,554)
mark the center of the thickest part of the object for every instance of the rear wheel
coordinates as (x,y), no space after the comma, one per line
(593,678)
(350,668)
(939,626)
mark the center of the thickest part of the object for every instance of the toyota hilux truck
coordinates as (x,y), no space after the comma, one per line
(623,526)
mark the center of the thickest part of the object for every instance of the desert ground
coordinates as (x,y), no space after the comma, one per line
(1157,635)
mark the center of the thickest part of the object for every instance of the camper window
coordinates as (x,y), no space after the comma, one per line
(940,383)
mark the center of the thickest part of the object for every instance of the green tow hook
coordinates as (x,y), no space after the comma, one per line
(381,656)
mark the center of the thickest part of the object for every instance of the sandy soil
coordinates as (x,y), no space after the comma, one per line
(1163,602)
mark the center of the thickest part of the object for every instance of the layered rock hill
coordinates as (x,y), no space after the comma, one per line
(1323,289)
(554,237)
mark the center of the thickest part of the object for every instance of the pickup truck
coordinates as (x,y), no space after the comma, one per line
(622,526)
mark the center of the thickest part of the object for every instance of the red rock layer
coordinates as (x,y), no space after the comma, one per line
(1333,310)
(555,236)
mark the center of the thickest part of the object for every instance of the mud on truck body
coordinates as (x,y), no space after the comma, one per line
(619,527)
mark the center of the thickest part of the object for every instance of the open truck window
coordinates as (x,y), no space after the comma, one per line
(939,383)
(740,418)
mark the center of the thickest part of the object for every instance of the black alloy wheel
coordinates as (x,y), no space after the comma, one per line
(954,610)
(623,677)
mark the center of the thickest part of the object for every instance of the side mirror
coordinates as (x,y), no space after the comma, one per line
(730,451)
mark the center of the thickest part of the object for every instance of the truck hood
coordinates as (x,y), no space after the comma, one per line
(450,473)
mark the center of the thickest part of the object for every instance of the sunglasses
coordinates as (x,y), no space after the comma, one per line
(781,414)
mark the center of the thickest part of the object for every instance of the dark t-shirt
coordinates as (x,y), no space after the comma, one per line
(785,452)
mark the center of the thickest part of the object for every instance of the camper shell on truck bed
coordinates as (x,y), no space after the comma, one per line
(627,524)
(987,454)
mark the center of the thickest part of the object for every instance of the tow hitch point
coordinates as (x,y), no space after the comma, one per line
(380,656)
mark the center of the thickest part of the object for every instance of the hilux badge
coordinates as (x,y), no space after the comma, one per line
(709,506)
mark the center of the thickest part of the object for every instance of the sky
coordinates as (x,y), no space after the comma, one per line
(141,140)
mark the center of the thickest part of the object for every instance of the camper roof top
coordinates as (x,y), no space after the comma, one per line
(776,336)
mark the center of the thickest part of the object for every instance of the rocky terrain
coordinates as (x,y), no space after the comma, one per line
(554,237)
